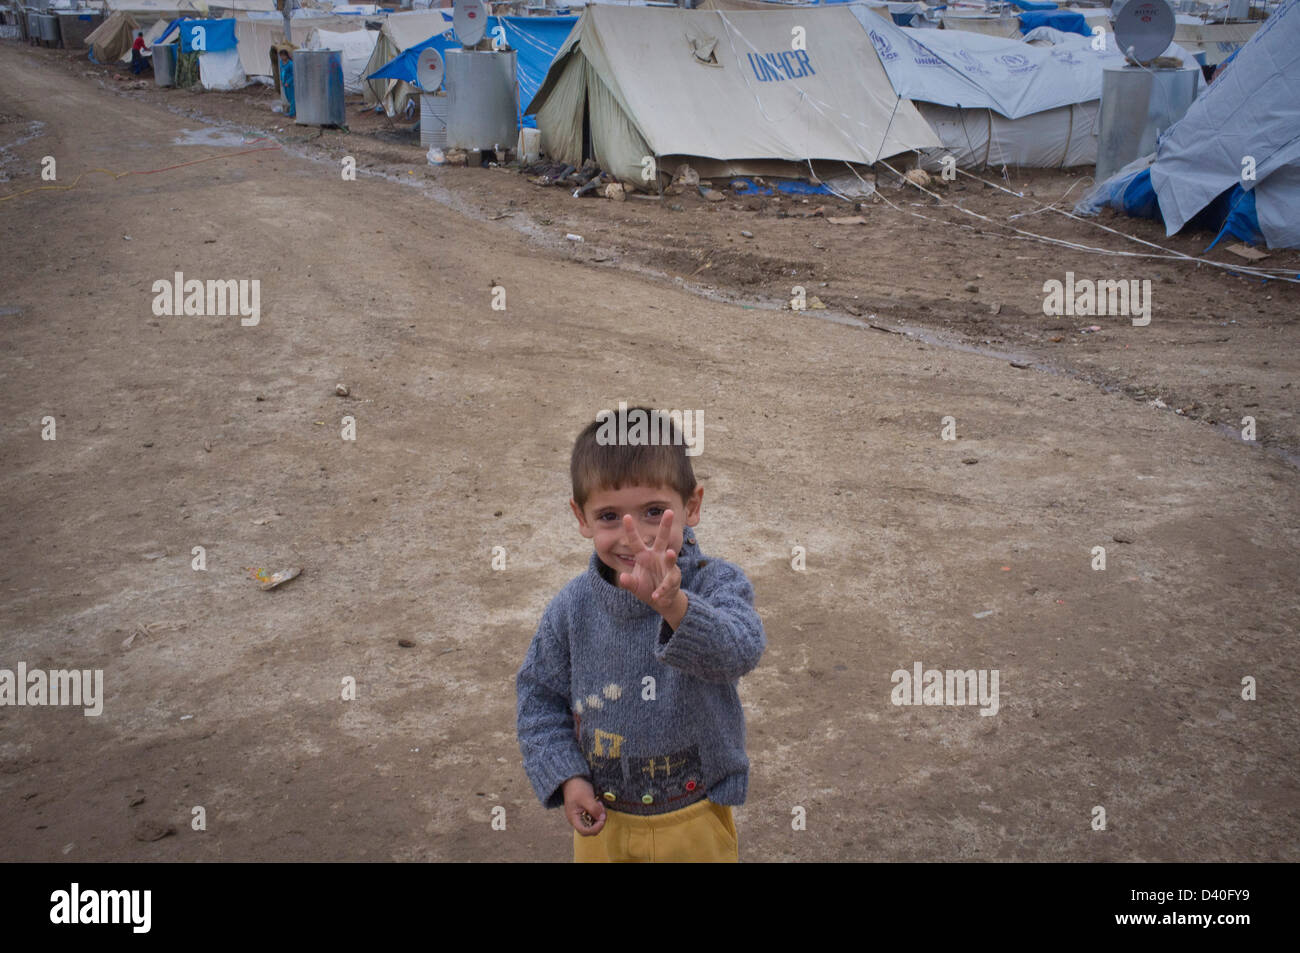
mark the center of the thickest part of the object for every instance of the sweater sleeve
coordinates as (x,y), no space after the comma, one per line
(545,722)
(721,636)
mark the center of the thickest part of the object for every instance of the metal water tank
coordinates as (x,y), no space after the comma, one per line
(433,120)
(318,87)
(164,64)
(1137,105)
(483,111)
(49,23)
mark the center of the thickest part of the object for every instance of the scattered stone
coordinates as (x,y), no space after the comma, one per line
(1122,538)
(406,643)
(970,460)
(341,390)
(149,830)
(972,287)
(615,192)
(918,177)
(746,234)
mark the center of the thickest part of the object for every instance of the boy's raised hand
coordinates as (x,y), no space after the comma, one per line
(579,799)
(655,579)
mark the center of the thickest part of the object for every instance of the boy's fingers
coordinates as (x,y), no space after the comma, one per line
(665,530)
(630,535)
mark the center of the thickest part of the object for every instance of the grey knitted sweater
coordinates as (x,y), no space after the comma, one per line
(651,715)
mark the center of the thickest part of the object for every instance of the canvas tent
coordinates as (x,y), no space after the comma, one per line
(257,33)
(723,90)
(112,39)
(535,41)
(1198,172)
(400,32)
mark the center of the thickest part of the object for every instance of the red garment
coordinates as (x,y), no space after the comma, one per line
(138,44)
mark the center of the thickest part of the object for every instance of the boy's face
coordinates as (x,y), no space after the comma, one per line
(601,520)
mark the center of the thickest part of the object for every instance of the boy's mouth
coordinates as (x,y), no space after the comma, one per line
(625,560)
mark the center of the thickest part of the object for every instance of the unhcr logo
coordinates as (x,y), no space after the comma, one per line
(1016,63)
(883,47)
(778,67)
(921,55)
(214,297)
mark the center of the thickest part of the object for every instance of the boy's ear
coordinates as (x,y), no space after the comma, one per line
(583,527)
(693,506)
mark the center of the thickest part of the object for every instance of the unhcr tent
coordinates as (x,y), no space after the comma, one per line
(1251,112)
(723,90)
(997,101)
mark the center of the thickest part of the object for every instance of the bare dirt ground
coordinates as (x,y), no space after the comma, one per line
(1119,688)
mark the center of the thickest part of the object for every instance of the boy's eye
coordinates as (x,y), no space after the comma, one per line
(655,512)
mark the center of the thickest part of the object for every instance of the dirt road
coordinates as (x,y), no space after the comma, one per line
(1119,688)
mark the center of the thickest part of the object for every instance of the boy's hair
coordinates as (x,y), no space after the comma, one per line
(662,461)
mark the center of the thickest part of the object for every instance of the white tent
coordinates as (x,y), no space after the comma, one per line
(995,101)
(723,90)
(257,34)
(356,47)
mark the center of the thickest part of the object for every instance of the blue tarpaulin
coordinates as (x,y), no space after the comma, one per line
(1067,21)
(1034,5)
(743,186)
(207,36)
(535,41)
(1231,214)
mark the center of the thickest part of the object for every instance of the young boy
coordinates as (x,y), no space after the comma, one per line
(628,713)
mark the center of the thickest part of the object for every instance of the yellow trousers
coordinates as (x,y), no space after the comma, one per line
(702,833)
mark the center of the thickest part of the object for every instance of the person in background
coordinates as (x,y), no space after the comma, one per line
(137,54)
(286,80)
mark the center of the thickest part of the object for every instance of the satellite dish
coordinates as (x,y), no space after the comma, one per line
(470,19)
(1144,27)
(428,69)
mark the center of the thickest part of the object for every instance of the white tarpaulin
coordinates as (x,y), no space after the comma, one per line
(976,138)
(222,70)
(971,70)
(356,48)
(1251,111)
(721,85)
(1012,77)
